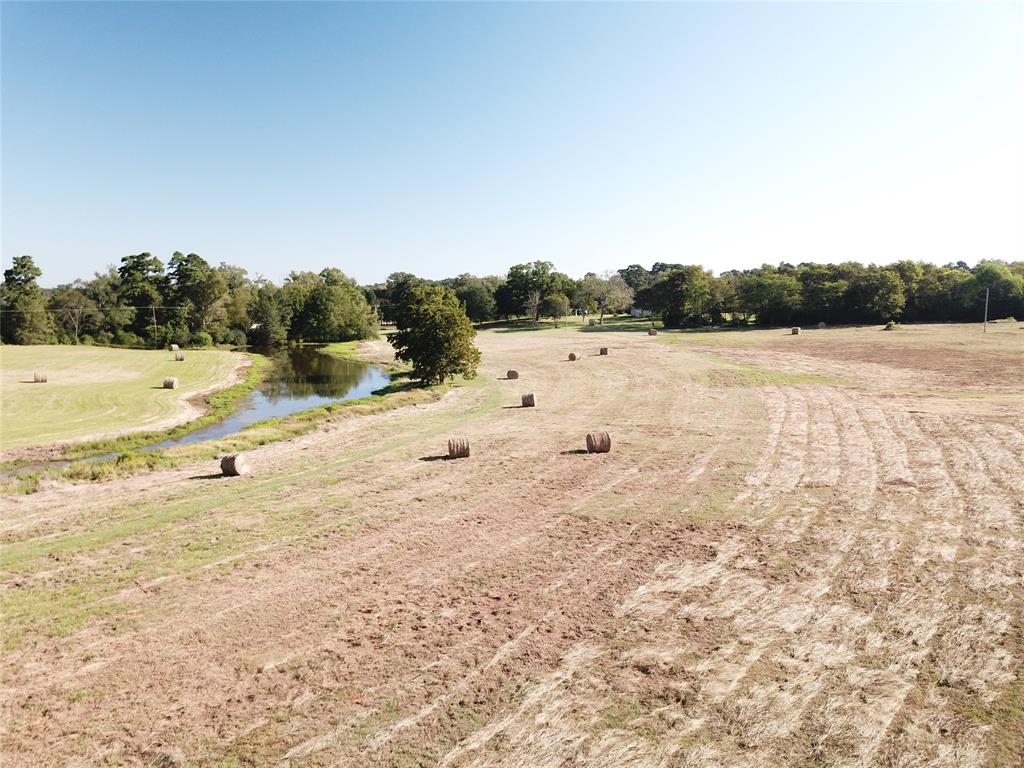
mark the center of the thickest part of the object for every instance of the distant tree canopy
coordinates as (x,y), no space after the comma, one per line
(140,302)
(435,335)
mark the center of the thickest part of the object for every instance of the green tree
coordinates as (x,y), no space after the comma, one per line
(555,306)
(772,296)
(876,296)
(436,336)
(327,307)
(608,294)
(143,287)
(528,284)
(476,296)
(75,312)
(25,319)
(683,296)
(270,317)
(636,276)
(195,284)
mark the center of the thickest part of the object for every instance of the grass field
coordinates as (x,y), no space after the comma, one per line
(801,551)
(98,391)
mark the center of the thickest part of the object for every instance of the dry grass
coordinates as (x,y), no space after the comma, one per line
(790,572)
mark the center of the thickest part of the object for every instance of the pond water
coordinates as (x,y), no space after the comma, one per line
(299,378)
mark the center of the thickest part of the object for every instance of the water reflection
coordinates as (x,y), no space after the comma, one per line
(298,378)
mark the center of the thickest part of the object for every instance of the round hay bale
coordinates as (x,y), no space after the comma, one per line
(890,326)
(458,448)
(604,350)
(511,374)
(529,401)
(821,325)
(599,442)
(795,331)
(39,378)
(175,347)
(170,383)
(592,323)
(179,357)
(572,357)
(235,465)
(652,332)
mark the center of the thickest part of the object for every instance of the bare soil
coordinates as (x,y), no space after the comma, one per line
(762,572)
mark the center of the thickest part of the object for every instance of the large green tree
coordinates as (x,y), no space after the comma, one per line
(436,336)
(24,317)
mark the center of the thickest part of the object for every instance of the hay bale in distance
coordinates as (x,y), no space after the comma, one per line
(572,357)
(39,378)
(599,442)
(890,326)
(175,347)
(511,374)
(795,331)
(179,357)
(592,323)
(652,332)
(821,325)
(529,401)
(604,350)
(170,383)
(235,465)
(458,448)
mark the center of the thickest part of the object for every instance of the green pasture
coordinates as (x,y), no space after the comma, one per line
(93,391)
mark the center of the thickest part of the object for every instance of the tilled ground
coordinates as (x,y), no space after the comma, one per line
(781,574)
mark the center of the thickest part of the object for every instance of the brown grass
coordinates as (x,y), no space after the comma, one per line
(794,572)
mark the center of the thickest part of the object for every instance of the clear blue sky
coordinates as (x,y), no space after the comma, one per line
(445,138)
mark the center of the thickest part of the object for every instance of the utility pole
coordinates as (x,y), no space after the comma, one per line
(985,327)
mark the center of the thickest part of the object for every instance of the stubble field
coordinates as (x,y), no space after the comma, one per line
(801,551)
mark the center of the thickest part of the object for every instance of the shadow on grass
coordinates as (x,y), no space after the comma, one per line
(577,452)
(399,386)
(442,457)
(216,476)
(514,407)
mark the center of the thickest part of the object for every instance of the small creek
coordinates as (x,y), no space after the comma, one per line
(298,378)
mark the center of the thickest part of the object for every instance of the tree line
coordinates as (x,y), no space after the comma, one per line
(144,302)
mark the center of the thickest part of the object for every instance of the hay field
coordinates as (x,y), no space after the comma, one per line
(100,392)
(801,550)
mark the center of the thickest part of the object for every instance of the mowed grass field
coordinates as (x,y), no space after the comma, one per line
(801,551)
(99,391)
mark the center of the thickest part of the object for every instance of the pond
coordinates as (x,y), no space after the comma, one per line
(299,378)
